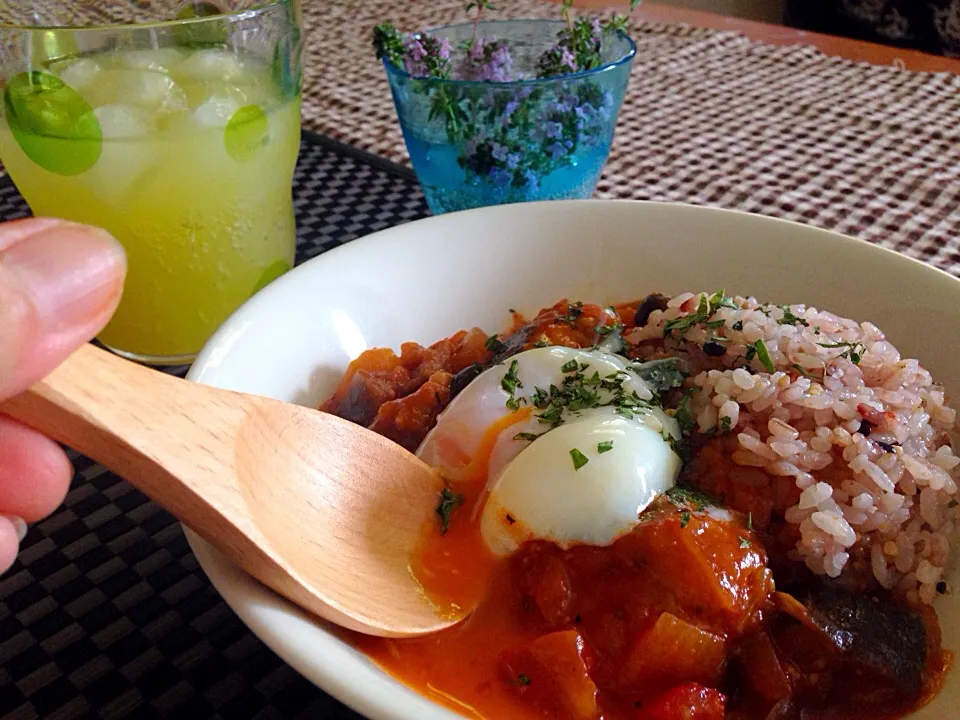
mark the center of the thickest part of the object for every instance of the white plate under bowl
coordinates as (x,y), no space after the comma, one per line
(424,280)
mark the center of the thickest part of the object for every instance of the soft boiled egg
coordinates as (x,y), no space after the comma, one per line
(584,480)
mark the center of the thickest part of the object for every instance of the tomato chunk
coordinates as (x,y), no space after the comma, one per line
(684,702)
(673,651)
(551,675)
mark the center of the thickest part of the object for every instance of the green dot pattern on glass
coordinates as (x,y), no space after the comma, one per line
(211,33)
(52,123)
(246,133)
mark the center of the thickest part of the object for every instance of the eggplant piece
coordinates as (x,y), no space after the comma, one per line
(654,301)
(510,347)
(876,639)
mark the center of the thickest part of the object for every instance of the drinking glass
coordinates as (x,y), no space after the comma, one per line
(175,126)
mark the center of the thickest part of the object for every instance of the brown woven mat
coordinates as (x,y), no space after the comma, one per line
(712,118)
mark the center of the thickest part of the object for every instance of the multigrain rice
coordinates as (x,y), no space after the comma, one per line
(863,433)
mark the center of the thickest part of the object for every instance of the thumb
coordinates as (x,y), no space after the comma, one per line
(59,284)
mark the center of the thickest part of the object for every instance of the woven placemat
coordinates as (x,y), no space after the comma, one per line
(106,614)
(711,118)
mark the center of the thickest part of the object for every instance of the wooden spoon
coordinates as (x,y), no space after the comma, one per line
(323,511)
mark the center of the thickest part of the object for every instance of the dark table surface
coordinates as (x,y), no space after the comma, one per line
(106,613)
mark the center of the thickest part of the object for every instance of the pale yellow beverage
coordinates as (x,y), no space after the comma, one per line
(191,171)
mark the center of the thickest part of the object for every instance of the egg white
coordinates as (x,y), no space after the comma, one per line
(535,491)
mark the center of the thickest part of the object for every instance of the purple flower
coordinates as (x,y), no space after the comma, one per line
(413,59)
(487,59)
(511,107)
(499,151)
(499,177)
(471,147)
(595,27)
(445,49)
(567,58)
(554,130)
(513,159)
(556,150)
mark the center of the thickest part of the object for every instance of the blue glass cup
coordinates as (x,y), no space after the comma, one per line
(490,141)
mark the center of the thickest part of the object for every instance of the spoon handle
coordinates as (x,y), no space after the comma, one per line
(170,438)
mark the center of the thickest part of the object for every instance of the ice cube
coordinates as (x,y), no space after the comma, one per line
(212,65)
(77,73)
(216,112)
(118,122)
(128,151)
(203,91)
(147,89)
(162,60)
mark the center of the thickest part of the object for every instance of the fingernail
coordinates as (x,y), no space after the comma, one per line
(72,273)
(19,524)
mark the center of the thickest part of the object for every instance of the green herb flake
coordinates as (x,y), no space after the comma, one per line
(529,437)
(682,414)
(684,519)
(521,680)
(605,446)
(764,355)
(738,325)
(494,345)
(513,403)
(579,459)
(688,497)
(574,311)
(570,366)
(449,501)
(726,423)
(750,521)
(661,375)
(744,543)
(803,371)
(790,319)
(853,351)
(510,381)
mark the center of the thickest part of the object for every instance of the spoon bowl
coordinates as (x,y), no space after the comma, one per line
(323,511)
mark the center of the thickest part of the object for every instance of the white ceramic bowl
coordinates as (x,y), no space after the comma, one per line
(424,280)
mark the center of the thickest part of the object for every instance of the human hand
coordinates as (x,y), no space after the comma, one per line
(59,285)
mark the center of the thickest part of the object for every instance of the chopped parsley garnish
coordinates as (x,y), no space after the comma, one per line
(853,351)
(569,366)
(605,330)
(684,519)
(449,501)
(494,345)
(726,423)
(574,311)
(750,521)
(744,543)
(790,319)
(529,437)
(760,351)
(605,446)
(703,314)
(682,414)
(661,375)
(510,381)
(738,325)
(579,459)
(687,497)
(803,371)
